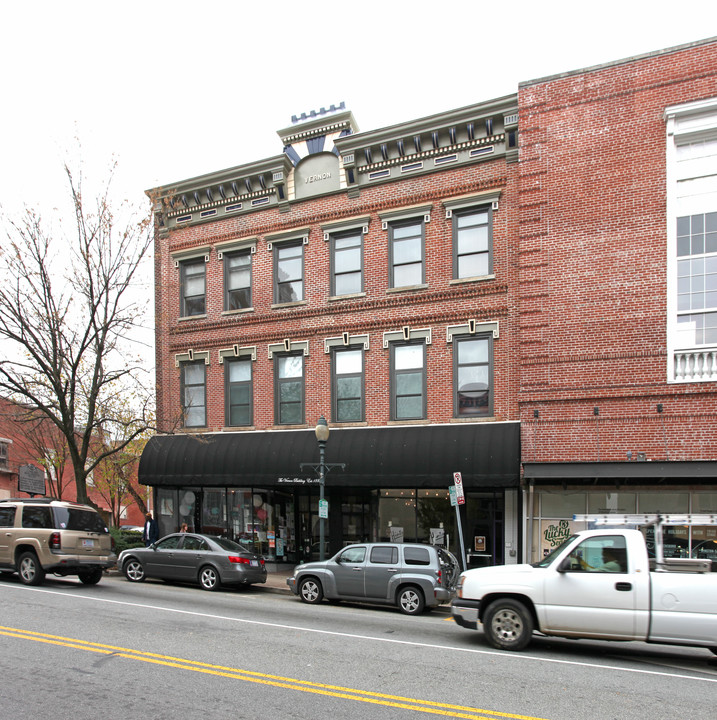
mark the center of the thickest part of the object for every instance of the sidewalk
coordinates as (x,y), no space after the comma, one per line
(276,580)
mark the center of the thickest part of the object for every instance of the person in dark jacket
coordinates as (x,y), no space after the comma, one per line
(150,533)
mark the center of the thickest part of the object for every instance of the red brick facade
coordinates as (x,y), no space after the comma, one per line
(593,264)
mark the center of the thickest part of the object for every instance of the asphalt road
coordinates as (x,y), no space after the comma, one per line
(154,651)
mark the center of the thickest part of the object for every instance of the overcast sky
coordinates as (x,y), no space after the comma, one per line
(175,89)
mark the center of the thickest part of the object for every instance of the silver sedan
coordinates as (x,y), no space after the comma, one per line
(187,557)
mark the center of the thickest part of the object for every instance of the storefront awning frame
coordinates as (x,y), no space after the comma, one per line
(486,454)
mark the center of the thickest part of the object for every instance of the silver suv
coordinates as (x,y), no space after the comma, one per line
(409,575)
(41,535)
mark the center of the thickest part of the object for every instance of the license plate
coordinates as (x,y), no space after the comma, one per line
(255,563)
(88,544)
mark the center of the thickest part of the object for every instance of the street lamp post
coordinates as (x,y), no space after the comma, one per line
(322,435)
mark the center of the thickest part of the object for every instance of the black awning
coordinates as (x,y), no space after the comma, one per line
(487,455)
(630,472)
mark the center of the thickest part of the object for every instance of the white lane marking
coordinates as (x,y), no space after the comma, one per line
(431,646)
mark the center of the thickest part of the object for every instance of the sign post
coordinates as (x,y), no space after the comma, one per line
(458,498)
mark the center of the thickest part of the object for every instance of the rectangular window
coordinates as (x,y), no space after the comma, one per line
(289,389)
(472,243)
(194,394)
(3,455)
(408,381)
(697,280)
(237,280)
(238,392)
(289,272)
(473,376)
(193,279)
(347,263)
(348,385)
(406,254)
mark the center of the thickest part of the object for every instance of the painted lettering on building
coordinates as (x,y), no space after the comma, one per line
(318,177)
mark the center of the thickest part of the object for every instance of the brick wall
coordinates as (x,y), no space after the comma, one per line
(439,305)
(593,261)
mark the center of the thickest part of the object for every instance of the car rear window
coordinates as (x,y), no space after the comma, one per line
(227,544)
(385,555)
(416,556)
(79,519)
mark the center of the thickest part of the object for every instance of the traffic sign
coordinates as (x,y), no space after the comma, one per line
(458,484)
(323,508)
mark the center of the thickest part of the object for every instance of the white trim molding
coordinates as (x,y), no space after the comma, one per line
(193,254)
(472,328)
(288,345)
(407,333)
(345,340)
(406,213)
(238,244)
(237,351)
(468,201)
(190,356)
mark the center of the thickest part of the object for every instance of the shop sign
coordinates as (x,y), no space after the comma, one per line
(553,533)
(297,481)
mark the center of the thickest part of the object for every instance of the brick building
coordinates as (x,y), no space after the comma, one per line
(448,302)
(34,460)
(618,292)
(365,277)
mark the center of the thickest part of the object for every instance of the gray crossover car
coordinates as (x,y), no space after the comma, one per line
(411,576)
(205,559)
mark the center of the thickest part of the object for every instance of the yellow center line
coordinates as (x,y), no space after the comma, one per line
(337,691)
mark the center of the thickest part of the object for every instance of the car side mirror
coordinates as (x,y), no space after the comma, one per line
(338,559)
(565,565)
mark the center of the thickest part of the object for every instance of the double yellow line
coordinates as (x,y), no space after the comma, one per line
(335,691)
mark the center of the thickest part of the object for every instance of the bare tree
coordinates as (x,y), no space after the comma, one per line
(67,313)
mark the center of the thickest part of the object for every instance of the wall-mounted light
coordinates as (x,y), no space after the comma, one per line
(659,407)
(536,413)
(596,411)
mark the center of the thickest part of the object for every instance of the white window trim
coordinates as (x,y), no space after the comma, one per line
(194,254)
(407,334)
(684,123)
(191,356)
(345,340)
(288,346)
(237,351)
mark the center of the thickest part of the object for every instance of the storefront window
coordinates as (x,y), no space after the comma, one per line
(436,518)
(165,511)
(397,516)
(214,511)
(562,505)
(616,502)
(187,509)
(659,502)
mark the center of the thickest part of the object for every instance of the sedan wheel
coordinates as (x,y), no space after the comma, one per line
(310,591)
(410,601)
(209,578)
(133,570)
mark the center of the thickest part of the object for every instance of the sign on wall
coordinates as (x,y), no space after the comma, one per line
(553,533)
(30,480)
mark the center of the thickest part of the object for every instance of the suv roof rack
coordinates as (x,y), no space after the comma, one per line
(30,499)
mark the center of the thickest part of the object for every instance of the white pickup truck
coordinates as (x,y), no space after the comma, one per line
(600,584)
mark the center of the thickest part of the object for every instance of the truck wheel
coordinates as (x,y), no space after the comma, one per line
(508,624)
(29,569)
